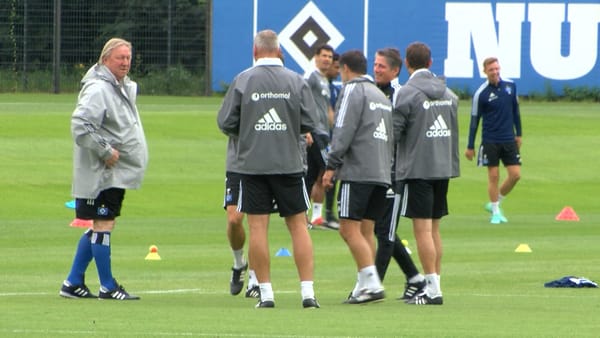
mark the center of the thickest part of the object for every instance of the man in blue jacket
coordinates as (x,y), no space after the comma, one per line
(497,104)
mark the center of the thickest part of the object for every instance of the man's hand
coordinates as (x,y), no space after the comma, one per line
(469,154)
(111,161)
(518,141)
(328,178)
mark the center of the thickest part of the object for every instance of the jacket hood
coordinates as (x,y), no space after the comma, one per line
(99,72)
(426,82)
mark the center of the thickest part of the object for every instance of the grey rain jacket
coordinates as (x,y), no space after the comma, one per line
(106,117)
(426,129)
(362,143)
(266,108)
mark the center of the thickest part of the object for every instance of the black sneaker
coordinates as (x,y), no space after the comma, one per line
(413,289)
(75,291)
(332,223)
(265,304)
(236,284)
(253,292)
(347,300)
(367,296)
(310,303)
(117,293)
(423,299)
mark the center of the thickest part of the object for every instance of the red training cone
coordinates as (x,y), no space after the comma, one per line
(567,214)
(82,223)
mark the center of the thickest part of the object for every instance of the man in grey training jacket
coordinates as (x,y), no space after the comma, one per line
(426,132)
(360,158)
(267,107)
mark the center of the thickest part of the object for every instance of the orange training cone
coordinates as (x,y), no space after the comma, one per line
(567,214)
(81,223)
(153,254)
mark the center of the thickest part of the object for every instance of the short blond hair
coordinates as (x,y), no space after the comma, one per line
(489,61)
(110,45)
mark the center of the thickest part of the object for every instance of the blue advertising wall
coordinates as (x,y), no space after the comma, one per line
(540,44)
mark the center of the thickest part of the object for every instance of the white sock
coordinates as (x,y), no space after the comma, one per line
(433,285)
(317,210)
(306,289)
(416,278)
(369,278)
(252,281)
(266,292)
(495,207)
(500,198)
(238,259)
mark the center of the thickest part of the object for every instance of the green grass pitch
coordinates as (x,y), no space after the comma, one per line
(489,290)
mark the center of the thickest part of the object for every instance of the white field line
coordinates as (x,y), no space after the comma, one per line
(148,334)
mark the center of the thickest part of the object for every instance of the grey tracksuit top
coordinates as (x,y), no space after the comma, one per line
(362,143)
(106,117)
(267,107)
(426,129)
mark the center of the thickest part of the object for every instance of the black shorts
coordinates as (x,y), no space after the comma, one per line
(490,154)
(107,206)
(425,199)
(232,189)
(265,194)
(357,201)
(316,158)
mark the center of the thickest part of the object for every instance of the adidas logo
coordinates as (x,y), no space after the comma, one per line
(492,97)
(439,128)
(270,121)
(380,132)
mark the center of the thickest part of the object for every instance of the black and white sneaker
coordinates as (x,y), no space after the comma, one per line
(424,299)
(413,289)
(75,291)
(253,292)
(332,223)
(236,284)
(310,303)
(117,293)
(367,296)
(265,304)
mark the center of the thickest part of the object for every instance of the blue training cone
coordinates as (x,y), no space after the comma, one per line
(70,204)
(283,252)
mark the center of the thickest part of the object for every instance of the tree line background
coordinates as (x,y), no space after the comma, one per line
(48,45)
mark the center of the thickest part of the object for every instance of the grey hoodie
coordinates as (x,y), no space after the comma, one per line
(426,129)
(106,117)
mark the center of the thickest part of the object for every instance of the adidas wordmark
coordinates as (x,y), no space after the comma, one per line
(380,132)
(439,128)
(270,121)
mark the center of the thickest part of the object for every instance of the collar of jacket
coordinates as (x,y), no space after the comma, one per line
(268,62)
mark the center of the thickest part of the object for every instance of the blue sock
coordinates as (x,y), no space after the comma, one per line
(101,251)
(83,257)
